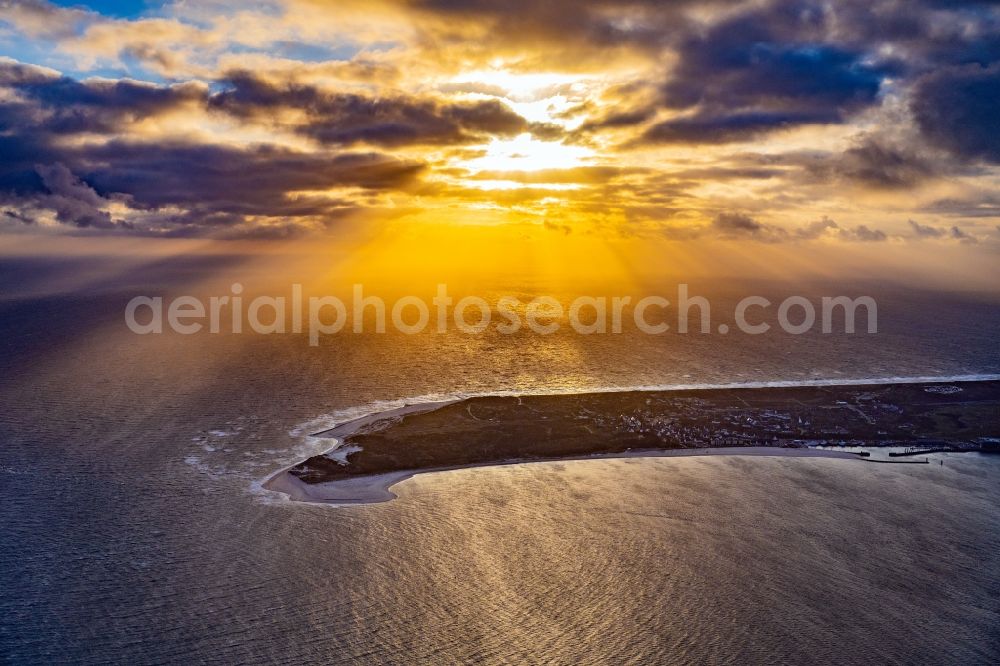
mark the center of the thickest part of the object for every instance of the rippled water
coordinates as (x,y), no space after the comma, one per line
(133,533)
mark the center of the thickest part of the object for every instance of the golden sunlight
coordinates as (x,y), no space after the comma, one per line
(519,87)
(526,153)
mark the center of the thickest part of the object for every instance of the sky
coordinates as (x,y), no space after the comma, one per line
(867,124)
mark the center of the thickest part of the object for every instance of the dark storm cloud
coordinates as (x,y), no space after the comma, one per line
(727,127)
(576,25)
(55,188)
(762,70)
(344,118)
(242,181)
(73,201)
(733,71)
(20,154)
(207,185)
(48,103)
(924,33)
(957,109)
(45,102)
(62,105)
(775,65)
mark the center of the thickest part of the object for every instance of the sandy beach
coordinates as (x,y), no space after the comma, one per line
(377,488)
(363,490)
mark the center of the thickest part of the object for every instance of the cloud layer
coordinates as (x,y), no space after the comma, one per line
(759,121)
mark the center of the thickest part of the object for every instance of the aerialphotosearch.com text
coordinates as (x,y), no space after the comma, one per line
(362,312)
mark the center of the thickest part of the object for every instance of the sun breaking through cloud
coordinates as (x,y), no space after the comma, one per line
(767,122)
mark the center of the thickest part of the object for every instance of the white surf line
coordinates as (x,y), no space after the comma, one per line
(280,481)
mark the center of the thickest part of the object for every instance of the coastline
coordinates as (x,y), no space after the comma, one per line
(376,488)
(283,482)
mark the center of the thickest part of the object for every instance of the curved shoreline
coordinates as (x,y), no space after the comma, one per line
(283,482)
(376,488)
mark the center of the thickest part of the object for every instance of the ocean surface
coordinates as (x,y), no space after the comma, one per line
(135,530)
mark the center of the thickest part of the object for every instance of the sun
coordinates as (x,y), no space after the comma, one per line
(540,98)
(526,153)
(520,86)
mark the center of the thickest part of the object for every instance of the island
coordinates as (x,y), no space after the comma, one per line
(372,453)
